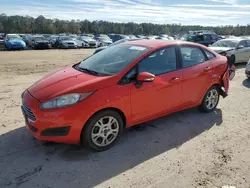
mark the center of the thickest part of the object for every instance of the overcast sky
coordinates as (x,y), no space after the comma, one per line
(202,12)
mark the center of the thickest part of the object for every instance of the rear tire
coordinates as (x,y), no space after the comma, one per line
(210,100)
(102,130)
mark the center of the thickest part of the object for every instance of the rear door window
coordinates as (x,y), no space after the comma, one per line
(191,56)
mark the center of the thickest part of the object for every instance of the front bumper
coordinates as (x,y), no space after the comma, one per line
(59,125)
(90,45)
(15,47)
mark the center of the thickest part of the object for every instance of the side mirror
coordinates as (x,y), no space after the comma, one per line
(240,47)
(145,77)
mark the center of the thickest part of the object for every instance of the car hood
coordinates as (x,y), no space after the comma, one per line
(66,80)
(221,49)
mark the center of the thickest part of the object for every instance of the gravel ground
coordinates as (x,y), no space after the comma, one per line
(185,149)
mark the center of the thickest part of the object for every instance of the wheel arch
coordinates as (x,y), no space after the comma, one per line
(217,84)
(120,112)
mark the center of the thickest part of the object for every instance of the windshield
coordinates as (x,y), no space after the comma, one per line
(65,38)
(112,60)
(226,43)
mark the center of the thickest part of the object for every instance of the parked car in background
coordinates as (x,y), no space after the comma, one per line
(165,37)
(27,39)
(205,38)
(40,42)
(66,42)
(132,37)
(14,42)
(236,47)
(248,69)
(115,43)
(151,37)
(88,42)
(125,85)
(104,40)
(140,36)
(2,36)
(2,44)
(116,37)
(53,39)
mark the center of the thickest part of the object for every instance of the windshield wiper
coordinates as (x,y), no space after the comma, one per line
(89,71)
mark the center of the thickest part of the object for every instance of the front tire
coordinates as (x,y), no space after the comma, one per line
(210,100)
(102,130)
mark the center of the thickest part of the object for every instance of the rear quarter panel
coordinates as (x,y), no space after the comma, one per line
(219,69)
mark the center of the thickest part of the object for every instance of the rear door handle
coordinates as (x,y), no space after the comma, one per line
(207,69)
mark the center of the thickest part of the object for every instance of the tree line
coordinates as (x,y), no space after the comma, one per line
(42,25)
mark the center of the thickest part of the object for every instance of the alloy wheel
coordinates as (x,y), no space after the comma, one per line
(105,131)
(212,99)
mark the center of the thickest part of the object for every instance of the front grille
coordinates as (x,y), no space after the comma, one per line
(28,112)
(69,43)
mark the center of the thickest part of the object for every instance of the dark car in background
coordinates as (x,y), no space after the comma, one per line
(2,41)
(205,38)
(40,42)
(116,37)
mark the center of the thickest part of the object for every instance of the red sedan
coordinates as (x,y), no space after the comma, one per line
(123,85)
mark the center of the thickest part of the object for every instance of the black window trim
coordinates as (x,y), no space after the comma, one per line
(187,45)
(214,56)
(178,63)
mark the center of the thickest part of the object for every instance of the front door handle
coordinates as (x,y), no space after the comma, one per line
(207,69)
(175,79)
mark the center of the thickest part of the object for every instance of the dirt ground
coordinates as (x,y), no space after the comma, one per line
(186,149)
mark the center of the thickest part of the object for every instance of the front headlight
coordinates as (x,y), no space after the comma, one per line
(65,100)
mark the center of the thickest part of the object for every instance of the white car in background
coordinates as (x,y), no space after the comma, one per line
(88,42)
(237,47)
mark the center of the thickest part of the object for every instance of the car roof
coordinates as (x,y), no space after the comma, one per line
(160,43)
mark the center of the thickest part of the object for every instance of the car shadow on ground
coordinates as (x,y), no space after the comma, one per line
(22,158)
(246,83)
